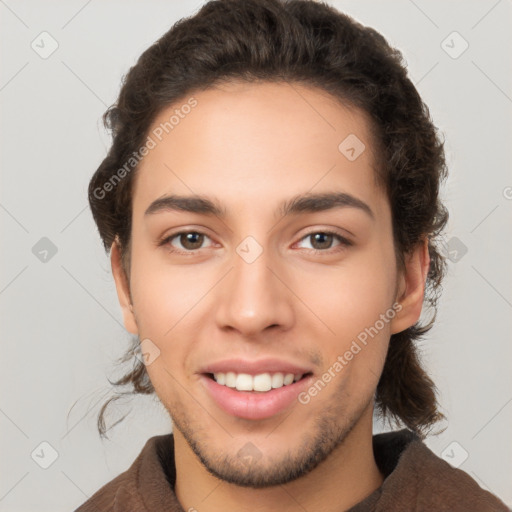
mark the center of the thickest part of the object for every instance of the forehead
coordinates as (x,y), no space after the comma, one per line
(252,140)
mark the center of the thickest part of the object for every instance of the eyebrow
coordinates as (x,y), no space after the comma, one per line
(302,203)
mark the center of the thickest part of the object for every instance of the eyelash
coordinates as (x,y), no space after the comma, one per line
(343,242)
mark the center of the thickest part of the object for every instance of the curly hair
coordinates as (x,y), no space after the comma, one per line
(311,43)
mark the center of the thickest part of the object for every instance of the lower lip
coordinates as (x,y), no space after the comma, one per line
(254,405)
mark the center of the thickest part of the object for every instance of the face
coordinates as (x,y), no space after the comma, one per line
(286,266)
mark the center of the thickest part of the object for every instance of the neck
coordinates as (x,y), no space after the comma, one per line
(344,479)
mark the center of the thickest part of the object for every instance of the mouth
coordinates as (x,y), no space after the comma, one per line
(260,383)
(255,397)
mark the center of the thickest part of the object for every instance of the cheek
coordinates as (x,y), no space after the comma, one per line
(351,303)
(355,345)
(162,294)
(169,303)
(164,301)
(352,297)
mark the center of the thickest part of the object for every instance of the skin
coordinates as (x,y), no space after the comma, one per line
(252,146)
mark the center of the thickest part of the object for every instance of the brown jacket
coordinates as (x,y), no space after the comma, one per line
(416,480)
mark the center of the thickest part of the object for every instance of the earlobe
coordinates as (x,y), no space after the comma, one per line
(123,289)
(412,291)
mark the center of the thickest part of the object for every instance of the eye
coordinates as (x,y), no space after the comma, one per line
(188,241)
(323,240)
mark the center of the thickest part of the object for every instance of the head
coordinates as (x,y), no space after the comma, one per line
(295,126)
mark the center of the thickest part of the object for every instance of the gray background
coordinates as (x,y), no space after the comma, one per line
(61,330)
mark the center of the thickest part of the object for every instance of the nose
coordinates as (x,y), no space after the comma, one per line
(254,297)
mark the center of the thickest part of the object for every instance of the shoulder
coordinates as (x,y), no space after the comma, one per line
(129,490)
(424,481)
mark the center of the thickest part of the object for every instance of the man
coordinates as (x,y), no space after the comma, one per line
(270,201)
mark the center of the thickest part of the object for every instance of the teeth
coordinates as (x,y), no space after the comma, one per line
(277,380)
(230,379)
(261,382)
(244,382)
(288,378)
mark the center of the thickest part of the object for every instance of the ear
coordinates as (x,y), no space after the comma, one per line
(411,288)
(123,289)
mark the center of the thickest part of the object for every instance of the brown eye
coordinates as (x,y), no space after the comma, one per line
(325,240)
(192,240)
(185,241)
(321,240)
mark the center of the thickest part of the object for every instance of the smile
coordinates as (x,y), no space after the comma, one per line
(250,397)
(262,382)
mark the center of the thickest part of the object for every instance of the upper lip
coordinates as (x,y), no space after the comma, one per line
(255,367)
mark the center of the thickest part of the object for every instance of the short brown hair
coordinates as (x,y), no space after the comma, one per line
(310,43)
